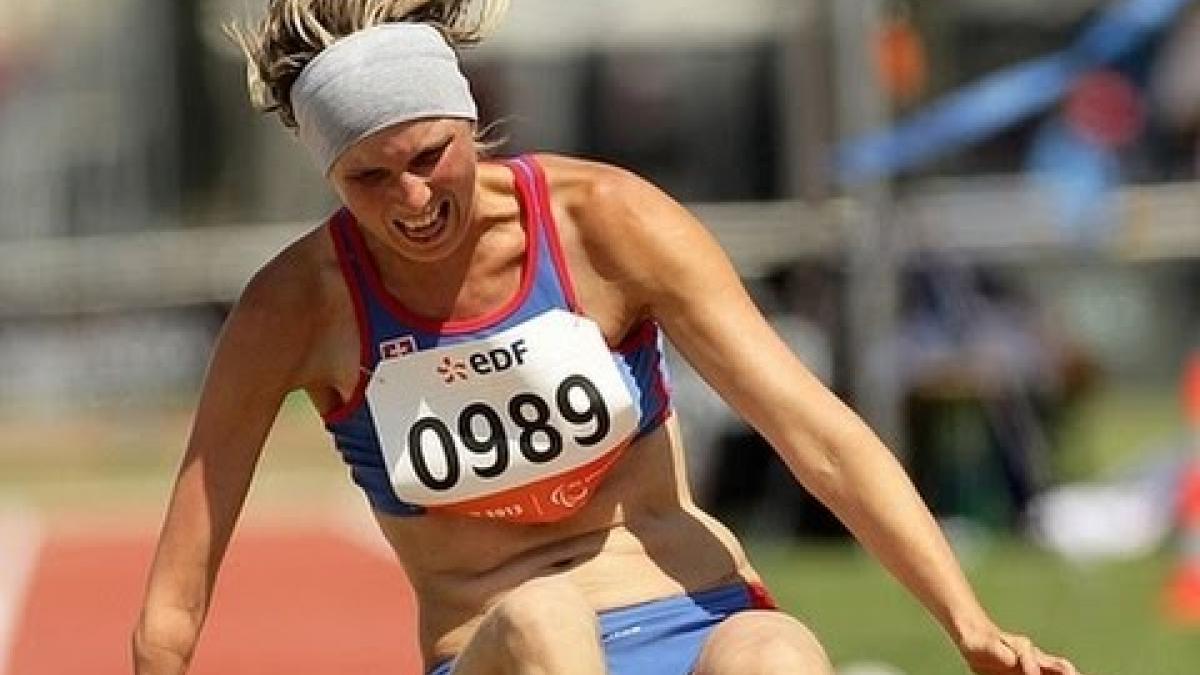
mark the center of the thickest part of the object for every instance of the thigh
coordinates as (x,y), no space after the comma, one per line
(766,642)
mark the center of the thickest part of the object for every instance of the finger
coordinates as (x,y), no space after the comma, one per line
(1057,664)
(1027,657)
(1054,664)
(995,657)
(1007,654)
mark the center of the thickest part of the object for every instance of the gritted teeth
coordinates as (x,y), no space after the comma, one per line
(424,227)
(425,221)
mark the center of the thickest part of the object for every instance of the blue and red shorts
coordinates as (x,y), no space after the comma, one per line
(665,637)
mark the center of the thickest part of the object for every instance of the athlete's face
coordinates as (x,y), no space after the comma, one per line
(412,186)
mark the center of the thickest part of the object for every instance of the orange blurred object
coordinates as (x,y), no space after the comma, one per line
(1182,598)
(1191,391)
(1182,592)
(900,60)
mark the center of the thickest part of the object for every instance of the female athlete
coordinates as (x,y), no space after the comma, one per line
(483,340)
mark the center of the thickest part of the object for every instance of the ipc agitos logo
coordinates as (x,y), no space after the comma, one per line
(486,362)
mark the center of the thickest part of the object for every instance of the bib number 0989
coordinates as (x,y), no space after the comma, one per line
(537,440)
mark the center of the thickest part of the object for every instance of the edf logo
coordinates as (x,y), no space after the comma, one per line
(487,362)
(499,359)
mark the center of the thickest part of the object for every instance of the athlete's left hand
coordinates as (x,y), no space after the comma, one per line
(995,652)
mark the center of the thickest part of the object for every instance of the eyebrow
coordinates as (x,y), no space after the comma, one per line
(360,167)
(438,145)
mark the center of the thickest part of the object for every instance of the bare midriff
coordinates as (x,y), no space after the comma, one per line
(639,538)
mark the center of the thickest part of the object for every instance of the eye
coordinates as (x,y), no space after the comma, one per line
(427,159)
(369,176)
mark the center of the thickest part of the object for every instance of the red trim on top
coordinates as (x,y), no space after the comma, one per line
(646,333)
(641,335)
(341,412)
(546,212)
(658,419)
(458,326)
(760,597)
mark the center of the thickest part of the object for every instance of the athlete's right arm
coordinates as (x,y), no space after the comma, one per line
(259,357)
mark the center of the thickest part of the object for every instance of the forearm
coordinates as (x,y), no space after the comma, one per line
(182,577)
(181,582)
(860,480)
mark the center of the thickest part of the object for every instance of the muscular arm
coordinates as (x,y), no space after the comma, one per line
(682,278)
(257,360)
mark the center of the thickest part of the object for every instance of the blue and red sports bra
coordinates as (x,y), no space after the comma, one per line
(516,415)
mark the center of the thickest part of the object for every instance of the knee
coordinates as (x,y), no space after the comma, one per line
(799,653)
(543,611)
(787,647)
(763,643)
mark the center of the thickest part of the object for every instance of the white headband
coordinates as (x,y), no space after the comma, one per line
(373,79)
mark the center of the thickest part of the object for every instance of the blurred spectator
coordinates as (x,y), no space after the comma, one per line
(985,378)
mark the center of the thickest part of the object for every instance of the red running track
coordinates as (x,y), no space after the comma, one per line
(290,600)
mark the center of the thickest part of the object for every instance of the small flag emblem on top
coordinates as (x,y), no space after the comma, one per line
(391,349)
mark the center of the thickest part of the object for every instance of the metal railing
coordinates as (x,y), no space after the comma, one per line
(998,220)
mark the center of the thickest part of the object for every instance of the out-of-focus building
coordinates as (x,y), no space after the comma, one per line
(89,124)
(139,189)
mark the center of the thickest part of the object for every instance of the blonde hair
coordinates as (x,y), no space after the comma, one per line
(293,32)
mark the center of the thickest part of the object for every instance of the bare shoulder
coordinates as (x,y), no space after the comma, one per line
(631,229)
(595,193)
(286,307)
(292,279)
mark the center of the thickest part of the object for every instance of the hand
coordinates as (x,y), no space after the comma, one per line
(994,652)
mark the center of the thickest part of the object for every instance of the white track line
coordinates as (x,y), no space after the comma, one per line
(21,536)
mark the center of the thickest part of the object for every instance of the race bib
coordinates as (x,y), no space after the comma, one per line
(517,425)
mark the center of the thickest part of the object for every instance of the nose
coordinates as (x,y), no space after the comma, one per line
(414,192)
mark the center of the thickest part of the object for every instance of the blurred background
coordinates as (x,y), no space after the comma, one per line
(978,222)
